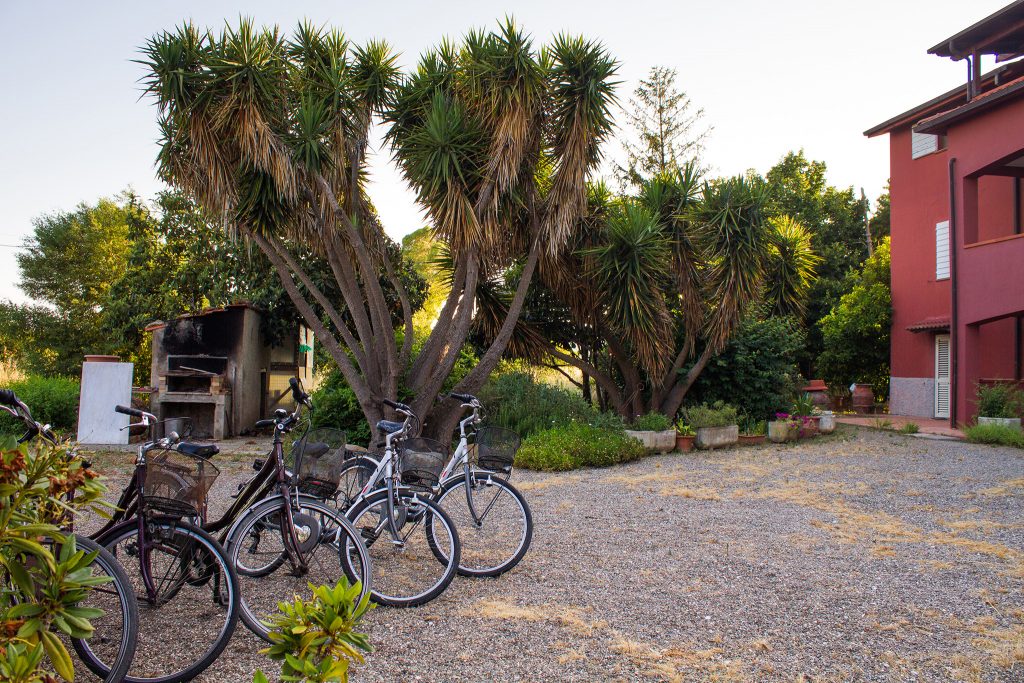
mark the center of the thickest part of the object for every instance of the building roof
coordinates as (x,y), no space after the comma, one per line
(935,323)
(939,123)
(1000,33)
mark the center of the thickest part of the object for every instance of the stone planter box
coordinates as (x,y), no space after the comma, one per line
(1011,422)
(827,423)
(655,442)
(717,437)
(779,431)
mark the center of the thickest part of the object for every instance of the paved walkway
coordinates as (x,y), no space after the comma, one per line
(928,427)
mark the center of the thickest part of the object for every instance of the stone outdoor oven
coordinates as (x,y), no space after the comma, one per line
(217,369)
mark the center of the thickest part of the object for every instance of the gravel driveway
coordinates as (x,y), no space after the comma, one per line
(863,556)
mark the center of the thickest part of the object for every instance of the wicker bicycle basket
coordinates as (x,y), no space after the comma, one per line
(317,459)
(496,449)
(421,461)
(177,483)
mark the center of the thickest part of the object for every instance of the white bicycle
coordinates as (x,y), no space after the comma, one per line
(494,521)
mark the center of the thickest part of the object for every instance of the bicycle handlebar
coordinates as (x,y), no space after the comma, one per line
(465,398)
(298,394)
(125,410)
(8,398)
(396,405)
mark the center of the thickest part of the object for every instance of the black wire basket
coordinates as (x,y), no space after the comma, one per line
(420,462)
(316,460)
(496,449)
(177,483)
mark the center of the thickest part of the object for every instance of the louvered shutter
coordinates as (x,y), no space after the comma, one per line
(942,250)
(922,144)
(942,375)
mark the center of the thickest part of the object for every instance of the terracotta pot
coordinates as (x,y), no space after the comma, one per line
(818,391)
(684,443)
(863,398)
(752,439)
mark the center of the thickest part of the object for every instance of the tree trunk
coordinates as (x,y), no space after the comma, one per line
(675,396)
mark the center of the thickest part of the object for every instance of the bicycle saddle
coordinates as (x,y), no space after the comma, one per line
(199,450)
(389,427)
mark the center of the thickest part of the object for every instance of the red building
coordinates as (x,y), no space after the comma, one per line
(956,164)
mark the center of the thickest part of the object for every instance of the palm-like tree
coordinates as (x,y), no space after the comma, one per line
(670,274)
(496,137)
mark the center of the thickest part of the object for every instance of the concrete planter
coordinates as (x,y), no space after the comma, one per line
(717,437)
(1011,422)
(655,442)
(827,423)
(779,431)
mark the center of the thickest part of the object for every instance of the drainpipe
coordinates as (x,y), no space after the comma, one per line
(953,318)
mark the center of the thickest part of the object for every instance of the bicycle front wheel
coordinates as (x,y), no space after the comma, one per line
(406,572)
(256,549)
(494,521)
(188,616)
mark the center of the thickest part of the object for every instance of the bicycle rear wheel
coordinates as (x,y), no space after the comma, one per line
(256,549)
(115,631)
(185,626)
(406,572)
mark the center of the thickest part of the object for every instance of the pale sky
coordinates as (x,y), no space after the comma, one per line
(771,77)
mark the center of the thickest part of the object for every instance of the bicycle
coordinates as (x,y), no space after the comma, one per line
(115,629)
(494,520)
(405,568)
(269,526)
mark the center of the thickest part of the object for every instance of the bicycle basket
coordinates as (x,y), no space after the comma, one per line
(496,449)
(318,457)
(177,483)
(420,462)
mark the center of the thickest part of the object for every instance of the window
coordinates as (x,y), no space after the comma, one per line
(923,144)
(942,250)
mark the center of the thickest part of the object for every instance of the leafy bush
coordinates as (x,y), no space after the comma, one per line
(718,414)
(42,590)
(577,445)
(315,640)
(757,371)
(337,407)
(803,405)
(855,333)
(52,400)
(1000,435)
(1000,400)
(651,422)
(910,428)
(751,427)
(517,401)
(607,420)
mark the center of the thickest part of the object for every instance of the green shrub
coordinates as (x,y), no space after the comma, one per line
(751,427)
(651,422)
(999,435)
(577,445)
(802,406)
(315,640)
(718,414)
(910,428)
(607,420)
(52,400)
(337,407)
(1000,400)
(517,401)
(758,369)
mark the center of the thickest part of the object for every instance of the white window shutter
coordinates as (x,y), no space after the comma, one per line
(922,144)
(942,250)
(942,383)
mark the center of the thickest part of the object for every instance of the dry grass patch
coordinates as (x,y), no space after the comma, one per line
(677,664)
(1010,487)
(696,493)
(550,480)
(560,615)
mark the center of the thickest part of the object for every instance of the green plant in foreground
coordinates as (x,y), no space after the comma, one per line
(315,640)
(718,414)
(651,422)
(999,435)
(879,423)
(684,429)
(910,428)
(751,427)
(40,589)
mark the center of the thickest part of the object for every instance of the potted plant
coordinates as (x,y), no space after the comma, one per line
(716,425)
(805,412)
(752,431)
(783,428)
(826,422)
(862,398)
(818,391)
(1000,404)
(654,431)
(684,436)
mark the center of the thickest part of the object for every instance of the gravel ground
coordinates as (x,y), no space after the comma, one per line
(863,556)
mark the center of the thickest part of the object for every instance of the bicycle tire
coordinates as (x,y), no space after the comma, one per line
(253,613)
(378,537)
(352,479)
(469,565)
(121,588)
(193,546)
